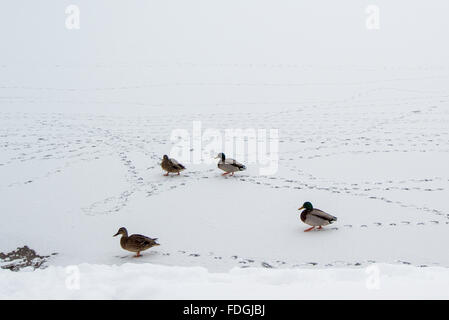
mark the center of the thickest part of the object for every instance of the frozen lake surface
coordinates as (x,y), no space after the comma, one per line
(372,151)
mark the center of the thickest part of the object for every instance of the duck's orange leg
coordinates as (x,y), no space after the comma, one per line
(320,227)
(307,230)
(225,173)
(138,254)
(166,174)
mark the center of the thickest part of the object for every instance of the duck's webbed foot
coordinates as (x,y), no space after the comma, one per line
(307,230)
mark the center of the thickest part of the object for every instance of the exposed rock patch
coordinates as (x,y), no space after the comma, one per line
(21,258)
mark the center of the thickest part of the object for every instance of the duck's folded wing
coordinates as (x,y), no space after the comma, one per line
(235,163)
(137,240)
(176,164)
(323,215)
(316,220)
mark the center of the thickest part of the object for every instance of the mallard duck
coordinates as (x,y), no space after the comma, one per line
(315,217)
(229,166)
(135,242)
(171,165)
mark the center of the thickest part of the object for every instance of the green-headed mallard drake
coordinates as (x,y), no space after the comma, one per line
(135,242)
(171,165)
(229,166)
(315,217)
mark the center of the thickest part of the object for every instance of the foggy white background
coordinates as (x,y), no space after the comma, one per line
(305,32)
(239,53)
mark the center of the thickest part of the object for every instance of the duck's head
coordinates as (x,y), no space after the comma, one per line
(221,156)
(165,157)
(306,205)
(121,231)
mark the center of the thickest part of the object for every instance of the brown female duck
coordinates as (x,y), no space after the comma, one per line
(135,242)
(171,165)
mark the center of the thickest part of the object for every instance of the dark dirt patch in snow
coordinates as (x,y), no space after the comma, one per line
(21,258)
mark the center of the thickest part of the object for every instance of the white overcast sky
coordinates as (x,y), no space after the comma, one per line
(227,31)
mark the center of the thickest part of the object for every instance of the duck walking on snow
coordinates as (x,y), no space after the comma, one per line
(135,242)
(229,166)
(315,217)
(171,165)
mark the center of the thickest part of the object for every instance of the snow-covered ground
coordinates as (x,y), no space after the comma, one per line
(362,135)
(148,281)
